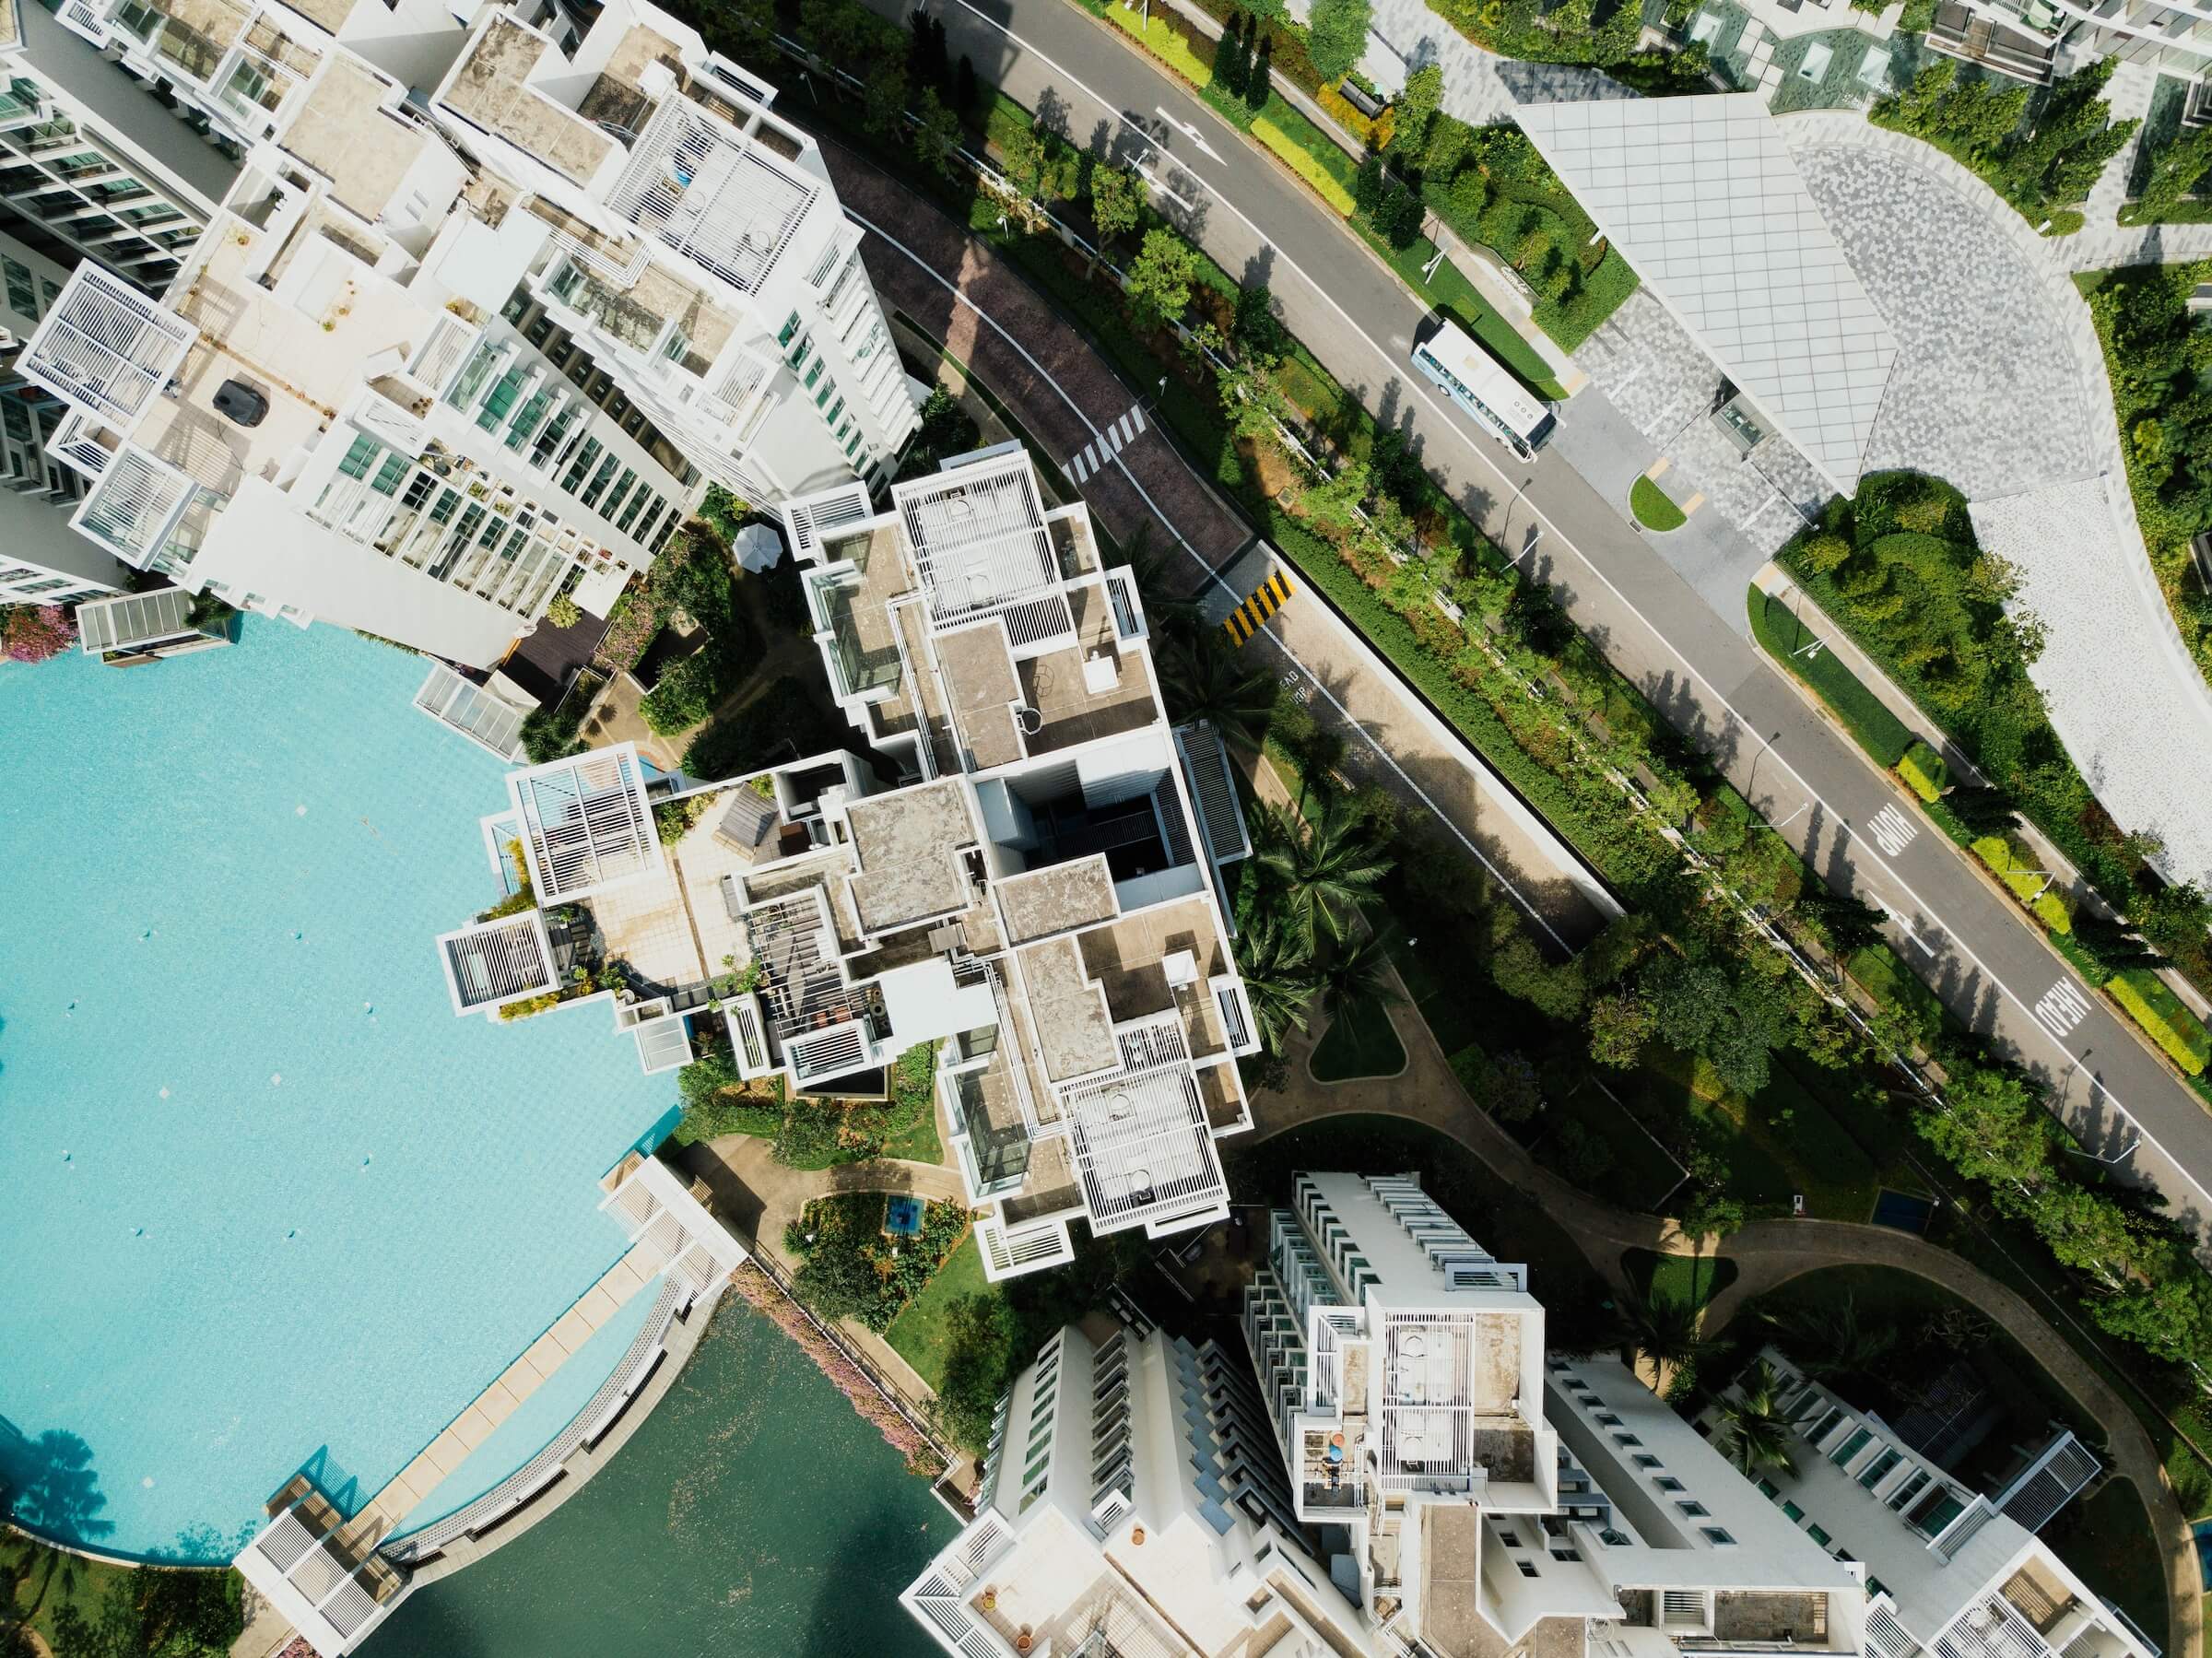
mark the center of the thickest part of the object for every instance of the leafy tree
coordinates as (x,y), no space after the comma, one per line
(1256,88)
(1117,201)
(883,101)
(748,27)
(1329,866)
(2170,1317)
(1257,333)
(966,94)
(1516,1094)
(1709,1212)
(1519,967)
(1022,157)
(1161,278)
(1417,103)
(1831,1340)
(1996,1129)
(1620,1025)
(1335,500)
(979,1342)
(2175,172)
(1336,37)
(2174,918)
(1752,1430)
(1232,57)
(937,136)
(839,33)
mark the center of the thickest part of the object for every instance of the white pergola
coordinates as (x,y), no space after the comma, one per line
(586,822)
(105,347)
(490,963)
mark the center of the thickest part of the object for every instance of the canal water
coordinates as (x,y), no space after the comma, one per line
(753,1514)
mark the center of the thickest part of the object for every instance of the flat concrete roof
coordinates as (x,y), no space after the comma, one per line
(908,843)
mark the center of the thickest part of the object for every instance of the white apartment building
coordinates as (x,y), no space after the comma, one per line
(41,560)
(1038,902)
(1451,1491)
(694,243)
(1951,1572)
(93,163)
(2034,40)
(1132,1504)
(370,396)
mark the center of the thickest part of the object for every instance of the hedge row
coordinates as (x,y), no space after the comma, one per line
(2030,883)
(2161,1011)
(1308,165)
(1586,813)
(1880,732)
(1887,980)
(1925,773)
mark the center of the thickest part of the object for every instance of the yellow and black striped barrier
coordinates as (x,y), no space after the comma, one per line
(1250,617)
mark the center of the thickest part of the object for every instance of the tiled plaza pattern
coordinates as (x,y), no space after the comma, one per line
(1647,366)
(2068,541)
(1991,386)
(1480,87)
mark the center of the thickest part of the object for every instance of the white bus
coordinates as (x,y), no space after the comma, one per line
(1484,388)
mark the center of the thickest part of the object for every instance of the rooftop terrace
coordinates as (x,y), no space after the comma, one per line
(488,89)
(909,868)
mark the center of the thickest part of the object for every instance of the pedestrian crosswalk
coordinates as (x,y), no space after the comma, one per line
(1103,448)
(1250,617)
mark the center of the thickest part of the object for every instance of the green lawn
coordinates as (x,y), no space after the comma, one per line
(1692,1278)
(1880,732)
(50,1579)
(917,1335)
(911,1131)
(1360,1045)
(1654,508)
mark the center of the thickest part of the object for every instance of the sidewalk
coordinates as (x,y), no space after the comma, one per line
(1775,581)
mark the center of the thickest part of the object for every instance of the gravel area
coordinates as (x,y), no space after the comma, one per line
(2133,711)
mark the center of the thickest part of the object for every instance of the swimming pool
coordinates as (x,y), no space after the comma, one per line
(266,1195)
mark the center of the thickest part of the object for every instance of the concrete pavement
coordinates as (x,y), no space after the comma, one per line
(1840,814)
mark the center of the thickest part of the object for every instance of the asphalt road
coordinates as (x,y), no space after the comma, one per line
(1843,816)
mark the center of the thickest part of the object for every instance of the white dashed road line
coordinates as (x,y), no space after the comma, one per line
(1104,447)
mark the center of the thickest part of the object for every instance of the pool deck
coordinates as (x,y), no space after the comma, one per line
(383,1511)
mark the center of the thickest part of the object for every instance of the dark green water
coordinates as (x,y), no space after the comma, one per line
(752,1514)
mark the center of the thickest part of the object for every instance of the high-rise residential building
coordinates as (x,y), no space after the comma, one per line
(1132,1503)
(472,329)
(1950,1571)
(978,641)
(1444,1488)
(1035,899)
(41,560)
(98,163)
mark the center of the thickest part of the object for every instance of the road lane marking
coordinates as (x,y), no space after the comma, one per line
(1189,129)
(2062,1008)
(1106,445)
(1893,830)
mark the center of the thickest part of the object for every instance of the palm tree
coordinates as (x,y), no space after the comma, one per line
(1203,680)
(1328,864)
(1828,1342)
(1278,969)
(1356,977)
(1752,1430)
(1171,611)
(1660,1331)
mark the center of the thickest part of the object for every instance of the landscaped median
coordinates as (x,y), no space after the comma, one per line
(1323,165)
(1654,508)
(1880,732)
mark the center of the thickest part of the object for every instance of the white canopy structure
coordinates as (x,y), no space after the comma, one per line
(586,823)
(1701,195)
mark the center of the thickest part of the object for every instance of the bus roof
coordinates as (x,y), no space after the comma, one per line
(1486,377)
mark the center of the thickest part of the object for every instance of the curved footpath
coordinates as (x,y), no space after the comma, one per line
(1767,1253)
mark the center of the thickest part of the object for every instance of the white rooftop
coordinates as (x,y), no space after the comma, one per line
(1701,195)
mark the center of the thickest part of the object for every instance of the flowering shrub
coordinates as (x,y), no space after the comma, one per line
(34,632)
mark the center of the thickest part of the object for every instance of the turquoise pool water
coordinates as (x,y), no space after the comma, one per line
(266,1197)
